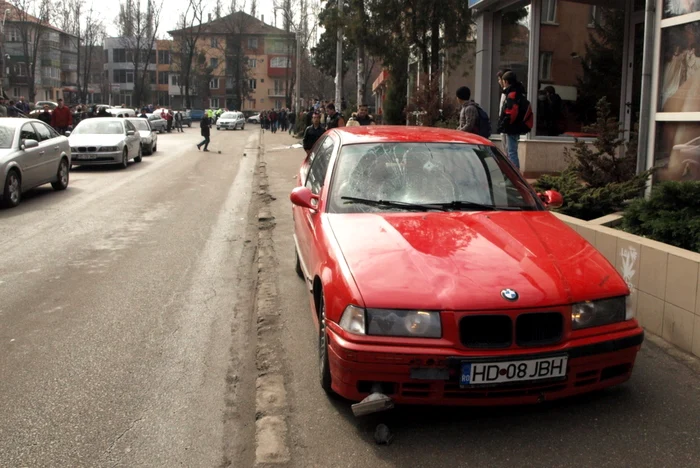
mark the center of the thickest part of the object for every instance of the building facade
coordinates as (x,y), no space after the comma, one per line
(249,65)
(120,73)
(571,53)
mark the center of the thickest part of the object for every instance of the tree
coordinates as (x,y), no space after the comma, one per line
(186,47)
(32,22)
(138,30)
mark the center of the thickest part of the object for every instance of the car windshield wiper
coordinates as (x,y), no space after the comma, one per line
(462,204)
(395,204)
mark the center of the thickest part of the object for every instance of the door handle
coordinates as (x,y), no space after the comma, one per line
(41,152)
(56,147)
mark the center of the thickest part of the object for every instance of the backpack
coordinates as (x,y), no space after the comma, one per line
(484,123)
(525,119)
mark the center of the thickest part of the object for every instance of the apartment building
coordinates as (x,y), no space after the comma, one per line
(262,73)
(119,70)
(56,61)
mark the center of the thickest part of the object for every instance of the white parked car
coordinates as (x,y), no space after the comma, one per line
(105,141)
(254,119)
(231,120)
(31,154)
(157,122)
(149,137)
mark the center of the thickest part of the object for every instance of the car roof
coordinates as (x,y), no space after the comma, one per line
(104,119)
(402,134)
(15,122)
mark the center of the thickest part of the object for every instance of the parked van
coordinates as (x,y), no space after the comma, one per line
(121,112)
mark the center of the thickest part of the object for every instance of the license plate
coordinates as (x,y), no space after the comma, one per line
(85,156)
(480,373)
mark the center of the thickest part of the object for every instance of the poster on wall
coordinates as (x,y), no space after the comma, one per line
(680,68)
(677,155)
(680,7)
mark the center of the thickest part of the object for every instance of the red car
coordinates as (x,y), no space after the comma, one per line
(436,275)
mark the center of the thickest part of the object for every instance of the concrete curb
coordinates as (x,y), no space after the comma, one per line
(271,425)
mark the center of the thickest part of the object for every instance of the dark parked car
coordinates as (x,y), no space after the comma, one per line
(186,118)
(196,114)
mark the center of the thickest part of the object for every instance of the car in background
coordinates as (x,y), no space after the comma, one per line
(39,105)
(149,137)
(255,119)
(106,140)
(231,121)
(186,118)
(121,112)
(31,154)
(196,114)
(513,306)
(158,123)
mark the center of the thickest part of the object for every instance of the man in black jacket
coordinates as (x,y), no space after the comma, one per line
(313,132)
(205,126)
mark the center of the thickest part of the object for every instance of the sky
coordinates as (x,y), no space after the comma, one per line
(172,9)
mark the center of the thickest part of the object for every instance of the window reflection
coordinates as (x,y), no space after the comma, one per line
(514,48)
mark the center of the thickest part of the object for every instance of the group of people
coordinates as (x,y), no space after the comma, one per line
(316,126)
(280,119)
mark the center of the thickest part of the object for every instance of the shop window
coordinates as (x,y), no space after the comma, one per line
(677,154)
(578,66)
(514,49)
(679,80)
(549,11)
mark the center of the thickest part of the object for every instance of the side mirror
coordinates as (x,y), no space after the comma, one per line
(551,199)
(130,132)
(29,144)
(302,196)
(67,133)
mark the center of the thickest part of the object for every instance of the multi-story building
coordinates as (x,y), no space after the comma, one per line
(163,65)
(244,58)
(120,73)
(56,61)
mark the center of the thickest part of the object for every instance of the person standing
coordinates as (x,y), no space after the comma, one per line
(169,120)
(468,113)
(143,114)
(333,119)
(514,116)
(312,133)
(292,121)
(502,89)
(178,122)
(3,108)
(273,121)
(62,118)
(363,117)
(205,130)
(46,115)
(23,106)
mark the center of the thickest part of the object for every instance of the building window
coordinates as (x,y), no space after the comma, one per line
(214,83)
(545,66)
(252,63)
(163,78)
(252,42)
(213,62)
(123,76)
(214,103)
(175,80)
(119,56)
(12,34)
(164,57)
(280,62)
(252,84)
(20,69)
(549,11)
(214,43)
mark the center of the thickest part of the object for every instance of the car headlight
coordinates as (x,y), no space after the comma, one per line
(596,313)
(391,322)
(107,149)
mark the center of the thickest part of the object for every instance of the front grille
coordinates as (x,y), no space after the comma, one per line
(538,329)
(85,149)
(486,331)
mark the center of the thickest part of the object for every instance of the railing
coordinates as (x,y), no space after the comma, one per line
(276,93)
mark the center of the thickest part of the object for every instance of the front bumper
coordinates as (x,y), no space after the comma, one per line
(101,159)
(593,364)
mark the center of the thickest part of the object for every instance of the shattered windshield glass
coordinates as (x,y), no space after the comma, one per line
(444,176)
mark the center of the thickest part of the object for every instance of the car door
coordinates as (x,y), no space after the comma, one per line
(307,221)
(30,160)
(49,141)
(133,141)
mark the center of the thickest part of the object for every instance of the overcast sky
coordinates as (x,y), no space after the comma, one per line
(172,9)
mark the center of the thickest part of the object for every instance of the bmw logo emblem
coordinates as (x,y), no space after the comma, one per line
(509,295)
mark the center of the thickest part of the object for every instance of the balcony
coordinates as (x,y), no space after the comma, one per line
(276,93)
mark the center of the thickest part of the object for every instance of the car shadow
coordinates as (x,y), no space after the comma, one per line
(41,197)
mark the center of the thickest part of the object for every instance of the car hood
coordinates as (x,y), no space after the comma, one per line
(462,261)
(95,140)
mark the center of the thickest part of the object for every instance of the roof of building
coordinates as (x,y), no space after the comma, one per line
(227,24)
(17,15)
(402,134)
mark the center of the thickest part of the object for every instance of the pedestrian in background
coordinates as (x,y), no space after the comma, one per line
(502,88)
(334,119)
(178,122)
(205,130)
(292,121)
(62,118)
(3,107)
(516,116)
(312,133)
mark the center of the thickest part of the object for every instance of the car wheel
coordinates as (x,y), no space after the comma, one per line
(125,159)
(62,176)
(12,192)
(243,127)
(153,149)
(324,369)
(139,157)
(297,268)
(189,125)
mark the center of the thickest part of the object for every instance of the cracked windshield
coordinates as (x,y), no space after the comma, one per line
(350,233)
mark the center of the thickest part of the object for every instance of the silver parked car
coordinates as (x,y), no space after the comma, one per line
(231,120)
(31,154)
(158,123)
(105,141)
(149,137)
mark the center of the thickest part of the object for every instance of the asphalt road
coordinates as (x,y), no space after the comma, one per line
(652,421)
(125,310)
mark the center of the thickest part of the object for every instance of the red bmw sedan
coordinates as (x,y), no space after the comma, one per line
(436,275)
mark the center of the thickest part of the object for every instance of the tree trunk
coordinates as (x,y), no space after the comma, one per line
(361,82)
(435,41)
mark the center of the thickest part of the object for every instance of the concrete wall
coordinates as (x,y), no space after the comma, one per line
(664,280)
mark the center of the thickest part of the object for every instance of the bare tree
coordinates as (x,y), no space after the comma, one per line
(32,22)
(186,47)
(254,8)
(138,30)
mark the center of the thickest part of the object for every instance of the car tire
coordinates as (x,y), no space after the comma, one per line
(243,127)
(125,159)
(324,368)
(139,157)
(153,149)
(189,125)
(62,176)
(297,268)
(12,190)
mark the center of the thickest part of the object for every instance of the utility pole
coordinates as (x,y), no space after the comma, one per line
(339,59)
(298,78)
